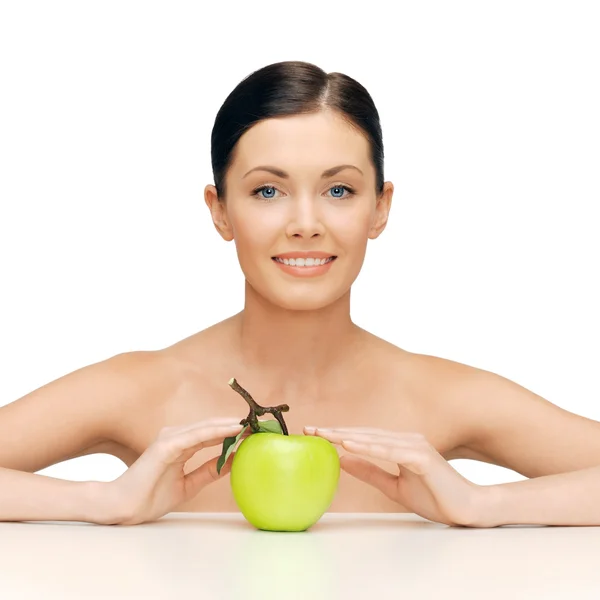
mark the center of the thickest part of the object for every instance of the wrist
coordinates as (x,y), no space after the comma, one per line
(487,506)
(104,506)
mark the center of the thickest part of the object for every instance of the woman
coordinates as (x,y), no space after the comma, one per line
(297,158)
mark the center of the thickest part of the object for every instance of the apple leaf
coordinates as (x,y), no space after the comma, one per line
(228,445)
(270,426)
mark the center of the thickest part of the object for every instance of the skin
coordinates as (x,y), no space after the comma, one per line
(294,342)
(303,215)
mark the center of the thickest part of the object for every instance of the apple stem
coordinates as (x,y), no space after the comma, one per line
(257,411)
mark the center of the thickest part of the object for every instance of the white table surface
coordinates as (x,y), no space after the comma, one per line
(203,555)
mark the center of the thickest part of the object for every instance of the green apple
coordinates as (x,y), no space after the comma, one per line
(284,482)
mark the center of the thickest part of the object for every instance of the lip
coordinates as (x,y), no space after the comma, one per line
(305,271)
(304,254)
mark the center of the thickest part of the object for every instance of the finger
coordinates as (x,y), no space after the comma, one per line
(413,459)
(188,453)
(214,422)
(336,437)
(202,439)
(371,474)
(171,447)
(192,450)
(399,440)
(449,489)
(310,430)
(204,475)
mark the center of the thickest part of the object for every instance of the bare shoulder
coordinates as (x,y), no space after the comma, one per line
(445,395)
(69,416)
(499,421)
(447,386)
(455,384)
(468,403)
(422,372)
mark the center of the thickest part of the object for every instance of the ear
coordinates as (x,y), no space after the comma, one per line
(382,210)
(218,211)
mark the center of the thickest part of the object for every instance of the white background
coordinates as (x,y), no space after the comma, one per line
(491,131)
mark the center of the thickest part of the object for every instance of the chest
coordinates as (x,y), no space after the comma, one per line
(366,401)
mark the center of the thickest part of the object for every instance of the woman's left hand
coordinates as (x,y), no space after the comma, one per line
(426,483)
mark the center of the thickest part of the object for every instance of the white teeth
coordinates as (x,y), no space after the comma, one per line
(304,262)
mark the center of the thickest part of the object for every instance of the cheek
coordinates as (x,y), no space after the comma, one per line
(259,231)
(255,238)
(352,231)
(252,231)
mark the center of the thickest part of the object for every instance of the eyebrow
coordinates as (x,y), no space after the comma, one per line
(327,173)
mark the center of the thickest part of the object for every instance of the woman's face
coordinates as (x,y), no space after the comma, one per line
(302,211)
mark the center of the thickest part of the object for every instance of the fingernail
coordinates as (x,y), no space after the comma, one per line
(309,428)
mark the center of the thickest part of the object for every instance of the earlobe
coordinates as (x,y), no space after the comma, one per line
(376,230)
(218,213)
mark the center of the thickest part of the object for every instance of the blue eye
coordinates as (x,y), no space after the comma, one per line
(262,189)
(342,188)
(271,189)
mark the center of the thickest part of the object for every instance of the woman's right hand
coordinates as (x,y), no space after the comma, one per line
(156,482)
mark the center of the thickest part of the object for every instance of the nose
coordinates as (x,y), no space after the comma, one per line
(305,218)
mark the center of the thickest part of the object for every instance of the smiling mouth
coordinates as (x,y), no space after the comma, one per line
(280,260)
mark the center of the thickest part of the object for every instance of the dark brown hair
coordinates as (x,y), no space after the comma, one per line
(292,88)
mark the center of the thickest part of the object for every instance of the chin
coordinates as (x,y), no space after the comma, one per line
(289,300)
(296,296)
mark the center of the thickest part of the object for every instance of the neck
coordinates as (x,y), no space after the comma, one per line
(294,347)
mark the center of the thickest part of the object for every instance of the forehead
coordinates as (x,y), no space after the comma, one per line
(314,139)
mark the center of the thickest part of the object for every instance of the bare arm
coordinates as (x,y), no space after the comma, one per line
(32,497)
(571,498)
(60,421)
(503,423)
